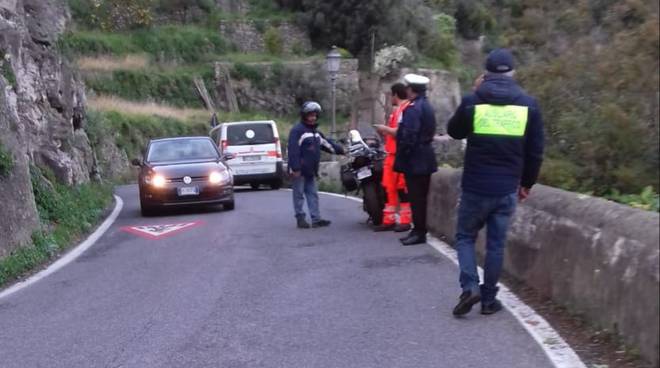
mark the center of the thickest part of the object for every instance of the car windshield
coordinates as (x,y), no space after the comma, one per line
(181,150)
(247,134)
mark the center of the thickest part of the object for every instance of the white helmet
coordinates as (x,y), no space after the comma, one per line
(310,106)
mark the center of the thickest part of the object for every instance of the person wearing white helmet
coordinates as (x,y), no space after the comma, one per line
(415,157)
(304,155)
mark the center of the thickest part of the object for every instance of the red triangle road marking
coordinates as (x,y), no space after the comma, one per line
(155,232)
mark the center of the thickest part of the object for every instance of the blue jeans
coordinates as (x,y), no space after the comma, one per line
(305,188)
(474,212)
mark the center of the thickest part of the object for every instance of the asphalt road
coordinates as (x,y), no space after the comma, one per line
(247,289)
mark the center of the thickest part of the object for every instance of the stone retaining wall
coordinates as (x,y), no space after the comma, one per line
(249,35)
(597,257)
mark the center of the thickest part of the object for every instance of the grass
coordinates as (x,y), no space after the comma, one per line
(111,103)
(66,214)
(163,43)
(108,63)
(131,132)
(175,86)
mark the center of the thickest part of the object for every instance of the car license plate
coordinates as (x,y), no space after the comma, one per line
(364,173)
(251,158)
(188,191)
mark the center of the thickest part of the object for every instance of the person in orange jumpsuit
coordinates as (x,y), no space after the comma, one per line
(393,182)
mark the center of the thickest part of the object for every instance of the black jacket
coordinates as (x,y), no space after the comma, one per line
(304,149)
(414,138)
(501,156)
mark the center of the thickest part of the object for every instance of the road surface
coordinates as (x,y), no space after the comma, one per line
(247,289)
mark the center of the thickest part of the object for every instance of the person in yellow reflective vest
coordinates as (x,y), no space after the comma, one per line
(394,182)
(504,132)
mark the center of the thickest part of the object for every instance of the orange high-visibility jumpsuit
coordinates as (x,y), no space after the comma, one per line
(394,182)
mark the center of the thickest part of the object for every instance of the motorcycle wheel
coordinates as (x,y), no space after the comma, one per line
(372,203)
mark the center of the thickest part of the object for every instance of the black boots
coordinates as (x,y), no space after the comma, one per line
(302,223)
(466,301)
(402,228)
(398,228)
(413,238)
(321,223)
(492,307)
(382,227)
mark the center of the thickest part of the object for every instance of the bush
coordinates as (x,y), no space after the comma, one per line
(6,70)
(442,46)
(648,199)
(121,14)
(6,162)
(473,19)
(273,41)
(242,71)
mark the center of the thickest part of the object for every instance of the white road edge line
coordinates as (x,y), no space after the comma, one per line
(72,254)
(555,347)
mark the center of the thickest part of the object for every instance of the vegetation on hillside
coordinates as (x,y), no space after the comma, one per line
(167,43)
(351,24)
(591,64)
(66,213)
(594,68)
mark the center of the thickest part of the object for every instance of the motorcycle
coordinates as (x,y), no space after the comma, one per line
(364,172)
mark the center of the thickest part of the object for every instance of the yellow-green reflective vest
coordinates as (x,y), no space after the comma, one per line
(508,120)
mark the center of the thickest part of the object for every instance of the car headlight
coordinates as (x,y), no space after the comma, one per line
(219,177)
(157,181)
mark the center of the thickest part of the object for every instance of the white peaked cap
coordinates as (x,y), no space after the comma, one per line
(416,79)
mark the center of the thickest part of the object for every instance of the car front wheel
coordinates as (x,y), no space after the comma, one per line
(229,206)
(147,210)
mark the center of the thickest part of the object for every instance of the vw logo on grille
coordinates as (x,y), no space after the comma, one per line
(187,179)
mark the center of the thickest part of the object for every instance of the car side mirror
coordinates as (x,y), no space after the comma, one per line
(228,156)
(136,162)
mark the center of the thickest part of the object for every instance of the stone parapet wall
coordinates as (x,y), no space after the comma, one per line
(596,257)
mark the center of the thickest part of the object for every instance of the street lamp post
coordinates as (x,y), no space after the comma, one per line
(333,60)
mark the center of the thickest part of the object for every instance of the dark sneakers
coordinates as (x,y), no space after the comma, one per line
(302,223)
(491,308)
(467,300)
(321,223)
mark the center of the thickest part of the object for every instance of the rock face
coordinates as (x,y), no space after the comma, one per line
(42,104)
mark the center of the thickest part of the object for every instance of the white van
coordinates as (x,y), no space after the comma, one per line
(255,151)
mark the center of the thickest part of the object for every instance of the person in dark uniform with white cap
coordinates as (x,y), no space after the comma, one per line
(415,157)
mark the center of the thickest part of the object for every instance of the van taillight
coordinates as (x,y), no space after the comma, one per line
(223,145)
(278,147)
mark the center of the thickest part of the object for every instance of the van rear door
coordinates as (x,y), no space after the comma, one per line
(254,146)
